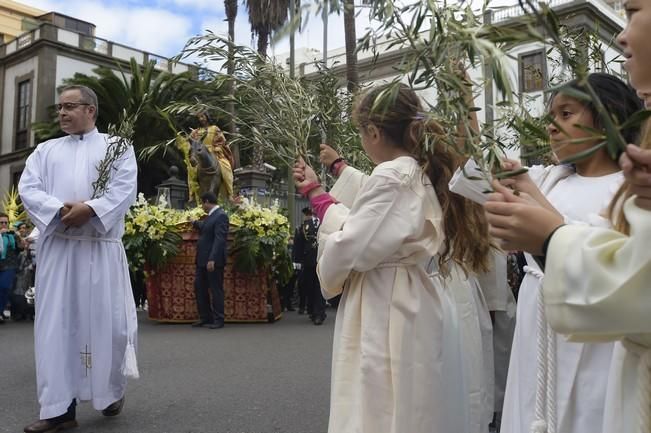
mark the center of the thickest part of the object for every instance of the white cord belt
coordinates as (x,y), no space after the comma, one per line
(85,238)
(545,408)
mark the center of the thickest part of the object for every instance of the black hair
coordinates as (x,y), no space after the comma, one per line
(618,98)
(209,197)
(307,211)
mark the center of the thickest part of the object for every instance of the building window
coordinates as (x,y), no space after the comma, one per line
(15,178)
(23,114)
(532,72)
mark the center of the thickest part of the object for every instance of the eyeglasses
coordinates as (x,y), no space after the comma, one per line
(69,106)
(4,222)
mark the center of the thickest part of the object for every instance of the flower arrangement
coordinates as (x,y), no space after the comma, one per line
(261,236)
(152,232)
(152,235)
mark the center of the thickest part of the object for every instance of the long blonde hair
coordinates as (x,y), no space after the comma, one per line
(616,207)
(400,116)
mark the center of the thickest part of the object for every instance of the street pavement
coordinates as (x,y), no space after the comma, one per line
(244,378)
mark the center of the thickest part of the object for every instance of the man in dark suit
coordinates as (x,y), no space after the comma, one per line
(211,259)
(305,253)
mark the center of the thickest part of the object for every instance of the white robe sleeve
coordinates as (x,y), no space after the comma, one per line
(43,208)
(348,184)
(111,207)
(597,280)
(374,229)
(345,191)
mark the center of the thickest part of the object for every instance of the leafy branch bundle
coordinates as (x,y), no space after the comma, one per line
(274,112)
(435,37)
(552,32)
(121,137)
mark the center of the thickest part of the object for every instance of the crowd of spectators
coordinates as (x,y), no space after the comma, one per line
(17,266)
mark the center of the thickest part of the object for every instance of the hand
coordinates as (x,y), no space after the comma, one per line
(210,266)
(303,174)
(79,213)
(519,224)
(64,211)
(636,165)
(194,134)
(521,182)
(327,155)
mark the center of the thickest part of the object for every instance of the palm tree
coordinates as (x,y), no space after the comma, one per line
(352,74)
(126,91)
(231,14)
(266,16)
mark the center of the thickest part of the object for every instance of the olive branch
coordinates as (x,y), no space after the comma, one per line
(120,137)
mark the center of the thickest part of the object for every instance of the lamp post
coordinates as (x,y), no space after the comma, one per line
(174,189)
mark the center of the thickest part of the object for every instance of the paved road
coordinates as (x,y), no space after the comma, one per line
(245,378)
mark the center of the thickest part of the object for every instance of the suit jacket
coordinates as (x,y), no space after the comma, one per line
(305,243)
(212,239)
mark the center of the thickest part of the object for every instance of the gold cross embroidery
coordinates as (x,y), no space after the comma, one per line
(86,359)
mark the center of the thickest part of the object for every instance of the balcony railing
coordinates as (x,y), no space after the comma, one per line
(88,43)
(516,11)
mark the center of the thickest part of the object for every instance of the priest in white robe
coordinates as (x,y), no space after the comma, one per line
(86,324)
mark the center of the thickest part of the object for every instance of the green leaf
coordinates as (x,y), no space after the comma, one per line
(510,173)
(636,119)
(584,154)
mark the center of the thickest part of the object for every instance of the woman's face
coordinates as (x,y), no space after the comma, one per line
(568,114)
(634,39)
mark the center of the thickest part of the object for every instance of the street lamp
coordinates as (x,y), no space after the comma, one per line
(174,190)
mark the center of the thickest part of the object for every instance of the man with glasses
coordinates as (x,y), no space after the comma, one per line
(85,330)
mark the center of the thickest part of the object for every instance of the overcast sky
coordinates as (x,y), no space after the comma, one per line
(163,26)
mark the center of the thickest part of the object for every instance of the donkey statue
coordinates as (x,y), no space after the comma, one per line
(209,175)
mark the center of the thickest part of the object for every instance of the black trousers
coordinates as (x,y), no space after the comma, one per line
(309,282)
(287,292)
(138,287)
(209,290)
(302,292)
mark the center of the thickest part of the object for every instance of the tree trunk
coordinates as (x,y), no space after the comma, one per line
(352,74)
(263,43)
(231,14)
(258,152)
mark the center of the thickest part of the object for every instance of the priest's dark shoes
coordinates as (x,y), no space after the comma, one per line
(114,408)
(50,425)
